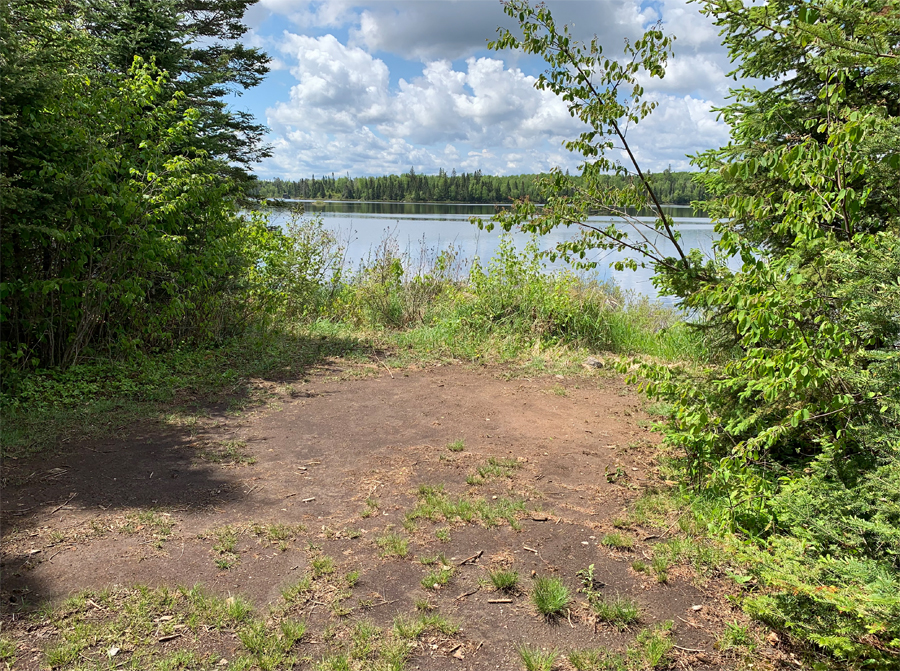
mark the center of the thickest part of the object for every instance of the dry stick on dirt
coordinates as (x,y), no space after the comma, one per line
(383,364)
(469,593)
(63,505)
(475,557)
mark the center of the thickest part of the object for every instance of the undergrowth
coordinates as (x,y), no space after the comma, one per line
(513,311)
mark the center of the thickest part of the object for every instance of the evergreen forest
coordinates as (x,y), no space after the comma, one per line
(674,188)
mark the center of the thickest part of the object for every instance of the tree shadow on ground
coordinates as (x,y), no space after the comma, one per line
(156,461)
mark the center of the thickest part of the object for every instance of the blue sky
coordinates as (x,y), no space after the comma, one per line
(376,87)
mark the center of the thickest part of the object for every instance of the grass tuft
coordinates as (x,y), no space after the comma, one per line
(503,580)
(619,611)
(535,659)
(392,544)
(617,540)
(550,596)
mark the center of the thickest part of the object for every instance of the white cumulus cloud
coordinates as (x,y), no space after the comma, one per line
(467,110)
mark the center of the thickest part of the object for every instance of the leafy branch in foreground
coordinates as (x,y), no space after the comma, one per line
(606,95)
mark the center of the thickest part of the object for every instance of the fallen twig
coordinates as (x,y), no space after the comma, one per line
(469,593)
(500,600)
(63,505)
(525,547)
(475,557)
(383,364)
(311,498)
(687,649)
(170,637)
(690,624)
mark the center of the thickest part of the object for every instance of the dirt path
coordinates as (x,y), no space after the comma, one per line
(337,467)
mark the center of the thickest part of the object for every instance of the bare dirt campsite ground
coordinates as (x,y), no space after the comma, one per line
(366,511)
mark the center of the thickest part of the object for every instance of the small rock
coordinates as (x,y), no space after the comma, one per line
(772,638)
(594,362)
(696,607)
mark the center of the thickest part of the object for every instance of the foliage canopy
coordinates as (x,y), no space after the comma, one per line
(118,186)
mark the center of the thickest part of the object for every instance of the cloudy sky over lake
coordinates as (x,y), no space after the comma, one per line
(377,87)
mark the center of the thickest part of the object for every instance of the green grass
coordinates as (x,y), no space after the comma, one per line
(7,651)
(457,445)
(436,506)
(617,540)
(89,623)
(550,596)
(504,580)
(620,611)
(392,544)
(437,578)
(494,468)
(322,566)
(649,652)
(736,636)
(535,659)
(293,592)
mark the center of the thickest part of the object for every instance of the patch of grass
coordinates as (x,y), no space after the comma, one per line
(650,651)
(493,468)
(457,445)
(277,533)
(392,544)
(226,546)
(442,534)
(351,578)
(438,578)
(619,611)
(363,640)
(535,659)
(550,596)
(435,505)
(653,646)
(504,580)
(660,568)
(322,566)
(736,636)
(133,619)
(7,651)
(370,509)
(410,628)
(62,654)
(617,540)
(293,592)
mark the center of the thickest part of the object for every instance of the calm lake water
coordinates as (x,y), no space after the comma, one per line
(435,226)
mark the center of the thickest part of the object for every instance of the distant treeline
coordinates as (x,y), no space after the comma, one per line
(676,188)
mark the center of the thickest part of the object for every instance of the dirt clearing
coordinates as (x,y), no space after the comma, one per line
(422,506)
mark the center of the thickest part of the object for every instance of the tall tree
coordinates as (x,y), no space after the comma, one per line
(197,42)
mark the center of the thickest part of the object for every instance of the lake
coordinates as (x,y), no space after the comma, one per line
(361,226)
